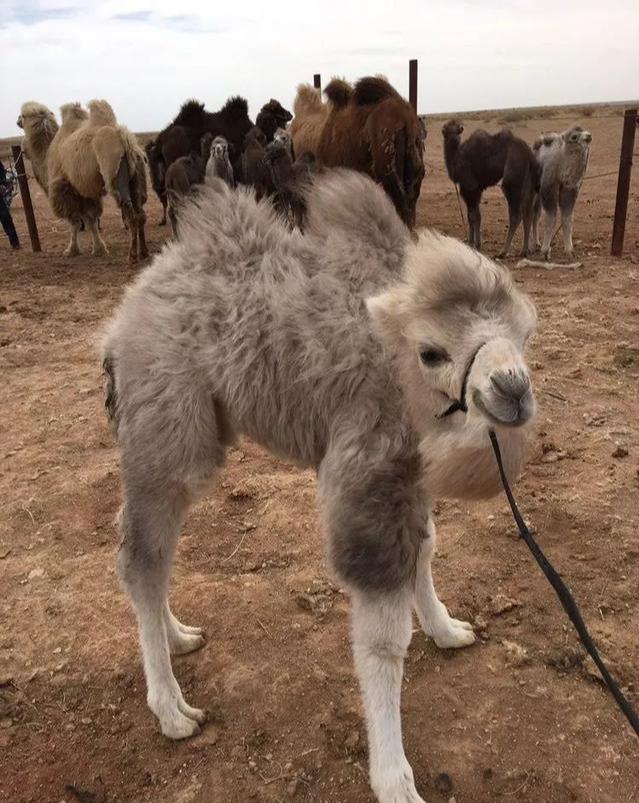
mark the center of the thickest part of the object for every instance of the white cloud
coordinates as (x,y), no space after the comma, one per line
(147,56)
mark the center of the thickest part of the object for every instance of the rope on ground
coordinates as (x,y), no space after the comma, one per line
(461,211)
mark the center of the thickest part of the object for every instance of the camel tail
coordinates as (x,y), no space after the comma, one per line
(307,100)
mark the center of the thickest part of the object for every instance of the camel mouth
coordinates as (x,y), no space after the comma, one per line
(505,412)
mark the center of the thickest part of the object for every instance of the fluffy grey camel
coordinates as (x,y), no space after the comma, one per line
(339,350)
(563,159)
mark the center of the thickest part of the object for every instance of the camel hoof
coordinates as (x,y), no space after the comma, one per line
(71,252)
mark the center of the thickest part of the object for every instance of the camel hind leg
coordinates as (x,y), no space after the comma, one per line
(514,194)
(123,196)
(171,446)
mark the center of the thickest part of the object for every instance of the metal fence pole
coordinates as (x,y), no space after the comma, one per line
(23,183)
(412,83)
(623,182)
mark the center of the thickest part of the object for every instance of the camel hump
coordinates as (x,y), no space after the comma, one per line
(101,113)
(307,100)
(236,106)
(190,113)
(338,92)
(73,111)
(372,90)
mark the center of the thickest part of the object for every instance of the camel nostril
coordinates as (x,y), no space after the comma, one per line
(510,384)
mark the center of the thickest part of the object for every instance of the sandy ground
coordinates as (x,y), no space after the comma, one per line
(521,716)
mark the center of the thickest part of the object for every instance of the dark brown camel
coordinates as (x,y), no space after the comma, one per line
(183,175)
(157,170)
(184,134)
(484,160)
(371,128)
(272,116)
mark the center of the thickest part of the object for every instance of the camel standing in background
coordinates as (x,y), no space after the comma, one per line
(563,160)
(484,160)
(89,156)
(369,128)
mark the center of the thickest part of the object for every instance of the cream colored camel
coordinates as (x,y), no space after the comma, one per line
(89,155)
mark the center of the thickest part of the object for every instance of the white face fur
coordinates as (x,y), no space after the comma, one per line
(219,147)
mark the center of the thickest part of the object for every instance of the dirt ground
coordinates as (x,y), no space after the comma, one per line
(520,716)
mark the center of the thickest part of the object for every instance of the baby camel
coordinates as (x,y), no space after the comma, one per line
(563,159)
(484,160)
(352,343)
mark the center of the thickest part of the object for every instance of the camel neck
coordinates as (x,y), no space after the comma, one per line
(451,148)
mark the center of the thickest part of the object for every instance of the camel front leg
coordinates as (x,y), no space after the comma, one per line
(433,616)
(73,249)
(381,635)
(567,200)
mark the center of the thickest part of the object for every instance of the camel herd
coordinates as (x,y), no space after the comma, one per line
(366,126)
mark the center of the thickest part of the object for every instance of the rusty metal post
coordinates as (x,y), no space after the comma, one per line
(317,82)
(23,182)
(412,83)
(623,182)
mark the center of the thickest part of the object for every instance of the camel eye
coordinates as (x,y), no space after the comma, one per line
(433,357)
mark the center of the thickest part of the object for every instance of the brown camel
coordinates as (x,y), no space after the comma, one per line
(370,128)
(484,160)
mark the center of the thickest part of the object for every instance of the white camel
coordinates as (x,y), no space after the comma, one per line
(344,350)
(563,159)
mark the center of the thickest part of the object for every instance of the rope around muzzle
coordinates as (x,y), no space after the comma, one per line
(562,591)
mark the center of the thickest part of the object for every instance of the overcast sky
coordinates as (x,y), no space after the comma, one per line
(147,56)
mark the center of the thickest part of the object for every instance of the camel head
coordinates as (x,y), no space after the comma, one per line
(272,116)
(577,137)
(219,147)
(283,138)
(35,117)
(452,129)
(456,328)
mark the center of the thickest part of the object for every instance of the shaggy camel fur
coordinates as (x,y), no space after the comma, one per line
(157,171)
(288,180)
(40,127)
(371,128)
(89,156)
(484,160)
(339,351)
(309,117)
(563,160)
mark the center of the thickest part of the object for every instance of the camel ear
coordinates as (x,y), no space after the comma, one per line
(384,311)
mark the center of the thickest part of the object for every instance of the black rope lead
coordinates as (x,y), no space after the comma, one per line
(565,597)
